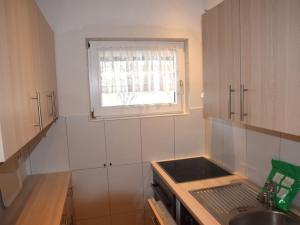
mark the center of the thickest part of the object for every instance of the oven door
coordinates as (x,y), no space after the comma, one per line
(159,213)
(164,194)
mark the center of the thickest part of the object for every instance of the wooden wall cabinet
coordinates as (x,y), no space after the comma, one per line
(270,68)
(27,72)
(221,51)
(267,39)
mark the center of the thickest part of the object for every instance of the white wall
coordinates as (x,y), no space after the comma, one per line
(76,144)
(249,151)
(211,3)
(75,20)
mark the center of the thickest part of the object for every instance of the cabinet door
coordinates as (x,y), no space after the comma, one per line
(35,64)
(9,140)
(211,82)
(125,197)
(270,46)
(47,74)
(229,59)
(90,193)
(221,49)
(17,68)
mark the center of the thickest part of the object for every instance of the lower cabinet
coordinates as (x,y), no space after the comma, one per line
(91,198)
(110,195)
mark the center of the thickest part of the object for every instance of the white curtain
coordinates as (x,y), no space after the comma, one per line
(128,70)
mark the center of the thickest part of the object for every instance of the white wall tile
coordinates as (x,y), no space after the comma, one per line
(51,154)
(189,134)
(207,136)
(234,152)
(129,219)
(211,3)
(125,188)
(123,141)
(261,149)
(290,151)
(86,142)
(90,193)
(97,221)
(216,140)
(249,151)
(157,138)
(148,180)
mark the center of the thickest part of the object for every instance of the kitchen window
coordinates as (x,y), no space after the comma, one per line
(137,78)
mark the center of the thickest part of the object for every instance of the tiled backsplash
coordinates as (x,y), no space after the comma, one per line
(249,151)
(75,143)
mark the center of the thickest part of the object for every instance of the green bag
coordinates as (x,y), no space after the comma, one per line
(287,179)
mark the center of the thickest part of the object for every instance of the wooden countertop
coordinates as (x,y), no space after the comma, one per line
(41,201)
(181,190)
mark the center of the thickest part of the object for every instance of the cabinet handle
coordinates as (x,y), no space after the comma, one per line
(230,112)
(39,108)
(52,98)
(53,104)
(242,103)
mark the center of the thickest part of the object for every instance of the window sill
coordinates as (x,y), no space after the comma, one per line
(91,119)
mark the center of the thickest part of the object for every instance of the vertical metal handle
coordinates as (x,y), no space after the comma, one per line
(230,112)
(242,102)
(52,98)
(53,104)
(39,108)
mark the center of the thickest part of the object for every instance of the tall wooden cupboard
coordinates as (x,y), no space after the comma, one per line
(267,40)
(27,75)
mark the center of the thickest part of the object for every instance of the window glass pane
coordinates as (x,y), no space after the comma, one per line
(134,76)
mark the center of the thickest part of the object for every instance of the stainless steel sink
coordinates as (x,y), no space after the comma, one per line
(237,204)
(263,217)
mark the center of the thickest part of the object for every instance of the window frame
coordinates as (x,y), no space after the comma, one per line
(147,110)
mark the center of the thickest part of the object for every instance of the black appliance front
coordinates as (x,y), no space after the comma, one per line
(185,218)
(164,194)
(185,170)
(175,207)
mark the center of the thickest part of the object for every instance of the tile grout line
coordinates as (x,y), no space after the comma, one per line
(280,142)
(174,142)
(107,174)
(68,142)
(246,153)
(143,175)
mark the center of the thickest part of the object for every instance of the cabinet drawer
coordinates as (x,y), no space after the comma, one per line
(160,215)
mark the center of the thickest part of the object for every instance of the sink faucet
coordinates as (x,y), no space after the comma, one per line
(267,198)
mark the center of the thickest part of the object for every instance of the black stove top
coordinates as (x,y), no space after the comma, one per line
(191,169)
